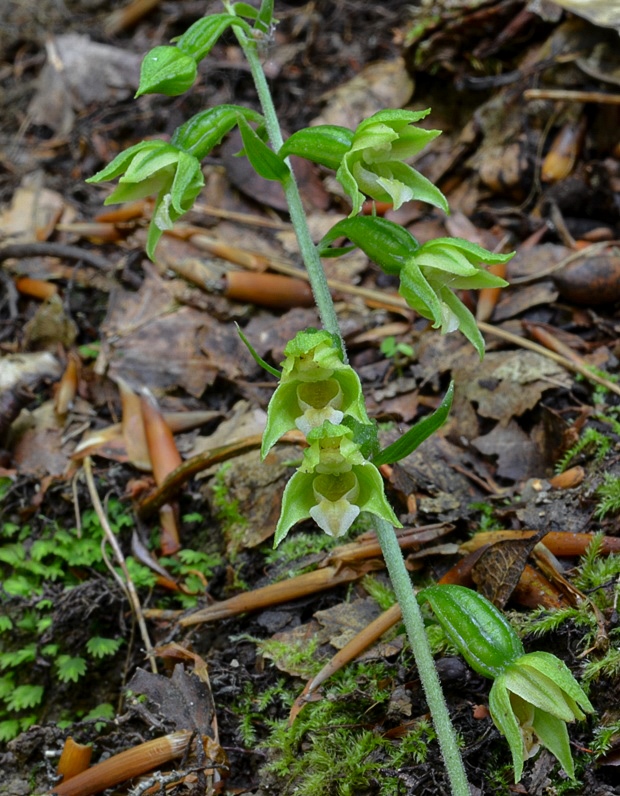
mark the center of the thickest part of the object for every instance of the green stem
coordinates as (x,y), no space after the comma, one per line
(399,576)
(308,250)
(416,633)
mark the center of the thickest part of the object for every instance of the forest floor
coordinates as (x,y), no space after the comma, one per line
(529,160)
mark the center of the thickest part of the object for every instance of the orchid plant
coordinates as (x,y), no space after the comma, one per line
(318,392)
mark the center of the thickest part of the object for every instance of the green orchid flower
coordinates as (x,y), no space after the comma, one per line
(530,704)
(333,500)
(316,386)
(373,165)
(155,167)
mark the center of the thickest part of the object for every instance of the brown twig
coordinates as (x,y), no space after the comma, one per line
(51,249)
(168,488)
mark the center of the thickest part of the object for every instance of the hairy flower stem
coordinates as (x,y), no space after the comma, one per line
(399,576)
(308,250)
(416,633)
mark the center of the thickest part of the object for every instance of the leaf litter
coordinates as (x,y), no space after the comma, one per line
(131,321)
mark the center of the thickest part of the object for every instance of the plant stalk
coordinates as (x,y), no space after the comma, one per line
(308,250)
(399,576)
(416,633)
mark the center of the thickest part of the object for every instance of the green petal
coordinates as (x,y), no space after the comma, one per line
(475,253)
(311,356)
(395,117)
(372,493)
(466,322)
(561,675)
(297,500)
(422,188)
(419,294)
(349,184)
(553,736)
(187,184)
(146,164)
(449,260)
(122,160)
(336,508)
(282,412)
(537,689)
(505,720)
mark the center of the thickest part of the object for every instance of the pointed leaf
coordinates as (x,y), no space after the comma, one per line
(416,435)
(257,358)
(264,161)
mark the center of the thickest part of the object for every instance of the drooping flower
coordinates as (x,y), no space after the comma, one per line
(533,695)
(155,167)
(316,386)
(530,704)
(334,500)
(374,166)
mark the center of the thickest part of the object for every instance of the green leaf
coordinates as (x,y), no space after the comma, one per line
(199,39)
(15,658)
(258,359)
(100,647)
(5,624)
(102,711)
(264,20)
(166,70)
(416,435)
(7,686)
(70,669)
(25,696)
(386,243)
(264,161)
(9,729)
(245,10)
(325,144)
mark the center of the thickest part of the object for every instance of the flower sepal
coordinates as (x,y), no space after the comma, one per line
(530,704)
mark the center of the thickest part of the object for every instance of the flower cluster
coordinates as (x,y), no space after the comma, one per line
(322,396)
